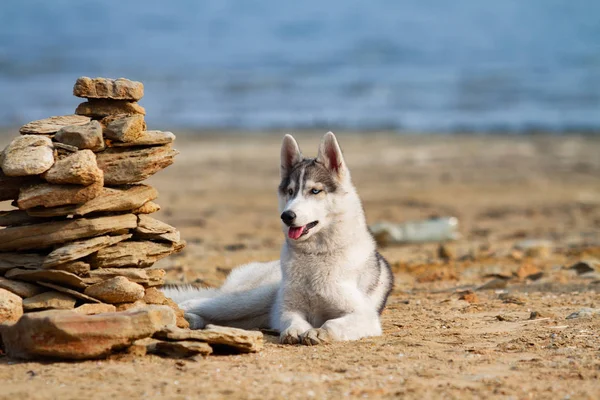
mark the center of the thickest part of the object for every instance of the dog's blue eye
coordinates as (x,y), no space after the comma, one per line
(315,191)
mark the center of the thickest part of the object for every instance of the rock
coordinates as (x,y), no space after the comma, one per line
(79,268)
(129,306)
(124,128)
(238,339)
(21,289)
(148,138)
(535,247)
(48,195)
(148,208)
(154,296)
(28,155)
(446,252)
(182,349)
(496,283)
(52,125)
(103,108)
(104,88)
(9,261)
(18,217)
(52,276)
(97,308)
(469,297)
(79,249)
(79,168)
(145,277)
(153,229)
(133,254)
(125,165)
(116,290)
(538,314)
(72,293)
(70,335)
(525,270)
(87,136)
(64,149)
(11,307)
(110,199)
(44,235)
(586,266)
(584,313)
(10,186)
(181,322)
(49,300)
(508,298)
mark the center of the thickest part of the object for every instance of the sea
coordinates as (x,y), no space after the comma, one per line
(406,66)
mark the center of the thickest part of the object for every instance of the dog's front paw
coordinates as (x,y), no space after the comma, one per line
(290,336)
(315,336)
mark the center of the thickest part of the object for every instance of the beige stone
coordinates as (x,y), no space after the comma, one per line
(124,128)
(44,235)
(78,268)
(28,155)
(18,217)
(71,335)
(52,276)
(239,339)
(145,277)
(79,168)
(49,300)
(103,108)
(88,136)
(9,261)
(147,138)
(105,88)
(11,307)
(153,229)
(182,349)
(21,289)
(148,208)
(116,290)
(140,254)
(49,195)
(130,165)
(95,308)
(10,186)
(49,126)
(79,249)
(71,292)
(129,306)
(125,198)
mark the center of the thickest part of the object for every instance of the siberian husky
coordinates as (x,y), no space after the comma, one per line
(330,283)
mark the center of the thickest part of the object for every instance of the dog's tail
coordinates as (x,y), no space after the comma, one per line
(181,293)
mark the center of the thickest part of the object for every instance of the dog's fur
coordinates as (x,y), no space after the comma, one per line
(330,284)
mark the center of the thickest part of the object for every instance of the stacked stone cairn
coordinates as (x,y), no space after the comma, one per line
(81,237)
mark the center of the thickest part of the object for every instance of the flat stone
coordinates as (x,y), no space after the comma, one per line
(52,276)
(116,290)
(239,339)
(148,138)
(155,296)
(87,136)
(182,349)
(49,126)
(133,254)
(71,292)
(105,88)
(181,322)
(125,165)
(64,148)
(79,168)
(78,268)
(52,300)
(124,128)
(535,247)
(10,186)
(110,199)
(96,308)
(74,336)
(79,249)
(145,277)
(18,217)
(48,234)
(21,289)
(129,306)
(148,208)
(585,266)
(153,229)
(11,307)
(49,195)
(9,261)
(103,108)
(28,155)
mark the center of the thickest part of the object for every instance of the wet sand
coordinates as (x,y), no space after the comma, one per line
(437,342)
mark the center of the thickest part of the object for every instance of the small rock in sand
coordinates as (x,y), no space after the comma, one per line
(585,313)
(11,306)
(116,290)
(182,349)
(28,155)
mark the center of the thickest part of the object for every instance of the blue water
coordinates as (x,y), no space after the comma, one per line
(377,64)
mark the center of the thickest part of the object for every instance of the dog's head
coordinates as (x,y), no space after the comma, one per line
(312,190)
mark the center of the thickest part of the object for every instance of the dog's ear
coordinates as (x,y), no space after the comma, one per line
(330,154)
(290,154)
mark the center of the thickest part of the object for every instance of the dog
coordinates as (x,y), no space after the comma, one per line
(330,283)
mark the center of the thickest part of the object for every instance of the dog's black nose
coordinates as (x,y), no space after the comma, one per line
(288,217)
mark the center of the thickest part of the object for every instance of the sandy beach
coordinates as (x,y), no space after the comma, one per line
(439,341)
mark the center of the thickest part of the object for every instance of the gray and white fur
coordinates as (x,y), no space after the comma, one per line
(330,282)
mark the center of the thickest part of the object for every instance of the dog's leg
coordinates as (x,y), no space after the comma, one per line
(352,326)
(292,325)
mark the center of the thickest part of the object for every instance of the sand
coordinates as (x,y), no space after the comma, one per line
(221,194)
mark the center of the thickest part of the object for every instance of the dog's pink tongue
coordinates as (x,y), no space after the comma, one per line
(295,232)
